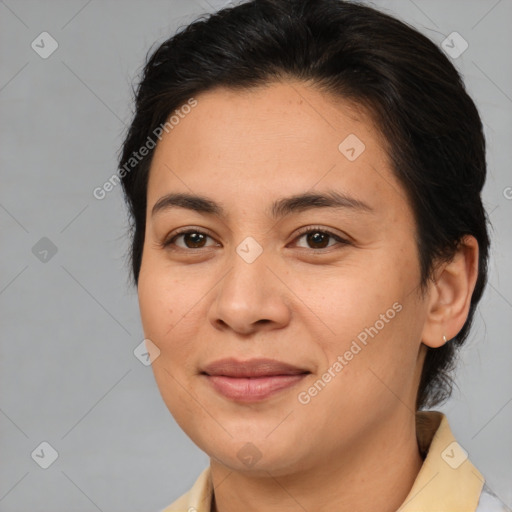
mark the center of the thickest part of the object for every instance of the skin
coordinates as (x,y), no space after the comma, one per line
(353,446)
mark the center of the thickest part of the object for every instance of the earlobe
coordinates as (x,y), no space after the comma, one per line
(449,295)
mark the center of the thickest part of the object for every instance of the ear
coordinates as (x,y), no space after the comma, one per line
(449,295)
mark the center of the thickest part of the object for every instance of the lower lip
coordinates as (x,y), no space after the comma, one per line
(252,389)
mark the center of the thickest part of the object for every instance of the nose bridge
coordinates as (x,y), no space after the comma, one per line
(249,263)
(249,293)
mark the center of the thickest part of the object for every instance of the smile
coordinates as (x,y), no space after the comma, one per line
(253,389)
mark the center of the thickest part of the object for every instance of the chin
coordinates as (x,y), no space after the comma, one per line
(255,454)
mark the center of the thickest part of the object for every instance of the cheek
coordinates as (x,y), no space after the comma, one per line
(163,299)
(163,308)
(347,299)
(155,310)
(374,323)
(170,315)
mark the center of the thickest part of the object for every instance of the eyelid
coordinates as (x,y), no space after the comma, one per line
(183,231)
(344,240)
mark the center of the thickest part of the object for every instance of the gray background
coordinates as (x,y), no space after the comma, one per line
(69,324)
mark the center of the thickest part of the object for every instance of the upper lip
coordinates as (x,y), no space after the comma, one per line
(231,367)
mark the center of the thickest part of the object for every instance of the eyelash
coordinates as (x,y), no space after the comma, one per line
(314,229)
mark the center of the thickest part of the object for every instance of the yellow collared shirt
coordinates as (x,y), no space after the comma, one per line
(446,482)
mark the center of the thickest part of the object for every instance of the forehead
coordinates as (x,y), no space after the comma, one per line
(248,145)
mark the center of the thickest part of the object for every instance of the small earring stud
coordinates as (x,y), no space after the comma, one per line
(444,338)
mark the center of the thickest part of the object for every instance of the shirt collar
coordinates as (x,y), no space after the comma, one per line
(446,482)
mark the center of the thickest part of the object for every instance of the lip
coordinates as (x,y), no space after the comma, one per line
(251,368)
(253,380)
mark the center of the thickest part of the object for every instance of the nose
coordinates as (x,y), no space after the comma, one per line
(250,297)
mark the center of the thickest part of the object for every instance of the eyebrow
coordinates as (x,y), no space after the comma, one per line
(279,208)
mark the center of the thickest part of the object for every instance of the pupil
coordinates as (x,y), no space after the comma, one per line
(318,238)
(195,238)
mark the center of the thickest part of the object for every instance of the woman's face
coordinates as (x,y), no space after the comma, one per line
(337,311)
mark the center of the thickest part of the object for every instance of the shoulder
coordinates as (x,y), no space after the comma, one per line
(197,499)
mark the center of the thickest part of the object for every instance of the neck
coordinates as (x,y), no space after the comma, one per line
(375,474)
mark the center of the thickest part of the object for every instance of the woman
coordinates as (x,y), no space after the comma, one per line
(309,247)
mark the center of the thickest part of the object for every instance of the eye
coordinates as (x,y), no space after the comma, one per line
(191,238)
(318,238)
(315,238)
